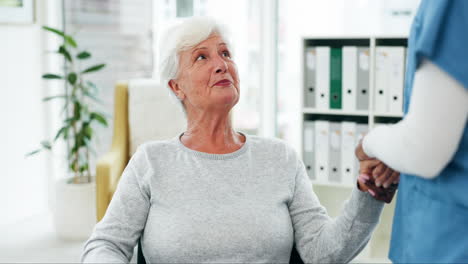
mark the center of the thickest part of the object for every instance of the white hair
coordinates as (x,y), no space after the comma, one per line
(182,36)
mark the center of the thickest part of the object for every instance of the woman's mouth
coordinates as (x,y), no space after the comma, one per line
(224,82)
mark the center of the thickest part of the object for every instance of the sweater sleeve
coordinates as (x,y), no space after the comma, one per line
(116,235)
(321,239)
(426,140)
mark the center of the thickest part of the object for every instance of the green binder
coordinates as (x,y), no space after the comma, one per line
(335,78)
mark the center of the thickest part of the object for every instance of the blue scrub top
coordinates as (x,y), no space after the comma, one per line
(431,216)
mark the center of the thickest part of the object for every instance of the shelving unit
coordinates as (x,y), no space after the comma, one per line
(333,112)
(332,195)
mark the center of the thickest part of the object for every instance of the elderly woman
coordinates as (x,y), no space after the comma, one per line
(212,194)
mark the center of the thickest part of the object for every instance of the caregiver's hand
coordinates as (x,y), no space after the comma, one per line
(382,174)
(367,184)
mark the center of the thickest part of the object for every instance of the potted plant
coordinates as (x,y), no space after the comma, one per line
(75,196)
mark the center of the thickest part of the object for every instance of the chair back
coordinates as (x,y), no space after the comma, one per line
(152,113)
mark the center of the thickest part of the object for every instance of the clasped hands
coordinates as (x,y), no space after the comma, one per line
(375,177)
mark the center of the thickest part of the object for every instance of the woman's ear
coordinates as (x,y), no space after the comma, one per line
(176,89)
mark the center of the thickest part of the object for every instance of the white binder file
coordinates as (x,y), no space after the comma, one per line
(350,73)
(334,161)
(381,79)
(396,79)
(361,131)
(322,131)
(348,158)
(309,78)
(323,78)
(309,146)
(362,102)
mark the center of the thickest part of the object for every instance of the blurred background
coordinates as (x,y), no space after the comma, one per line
(267,37)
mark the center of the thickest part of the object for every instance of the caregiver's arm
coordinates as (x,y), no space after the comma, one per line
(426,140)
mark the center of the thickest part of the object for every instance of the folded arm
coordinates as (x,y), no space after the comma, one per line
(426,140)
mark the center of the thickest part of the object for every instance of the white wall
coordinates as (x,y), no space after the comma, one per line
(24,119)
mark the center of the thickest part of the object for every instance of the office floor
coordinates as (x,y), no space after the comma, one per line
(34,240)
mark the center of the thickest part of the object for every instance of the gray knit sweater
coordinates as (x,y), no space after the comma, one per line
(248,206)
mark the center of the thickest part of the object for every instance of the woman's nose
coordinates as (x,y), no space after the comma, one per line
(221,65)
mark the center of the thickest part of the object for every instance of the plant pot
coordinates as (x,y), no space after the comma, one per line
(75,209)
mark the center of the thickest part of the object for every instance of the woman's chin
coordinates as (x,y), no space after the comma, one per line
(226,98)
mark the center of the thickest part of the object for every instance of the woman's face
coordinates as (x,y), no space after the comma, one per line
(207,77)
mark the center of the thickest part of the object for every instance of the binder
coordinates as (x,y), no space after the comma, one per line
(362,95)
(335,153)
(348,158)
(335,78)
(322,129)
(309,78)
(361,131)
(309,146)
(396,82)
(323,78)
(349,73)
(382,79)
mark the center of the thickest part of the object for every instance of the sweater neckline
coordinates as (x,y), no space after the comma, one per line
(214,156)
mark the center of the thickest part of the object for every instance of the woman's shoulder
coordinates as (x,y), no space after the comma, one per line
(272,146)
(157,146)
(148,150)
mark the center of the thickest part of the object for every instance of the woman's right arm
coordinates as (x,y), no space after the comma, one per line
(116,235)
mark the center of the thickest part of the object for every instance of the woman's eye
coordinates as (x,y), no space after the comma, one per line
(201,57)
(226,54)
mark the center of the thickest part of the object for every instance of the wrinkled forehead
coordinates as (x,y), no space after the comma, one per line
(214,40)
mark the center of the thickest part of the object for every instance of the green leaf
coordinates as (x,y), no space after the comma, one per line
(87,142)
(62,50)
(92,85)
(63,130)
(72,78)
(94,68)
(56,31)
(72,166)
(79,140)
(46,144)
(70,120)
(68,39)
(88,132)
(98,117)
(83,55)
(83,168)
(45,99)
(71,41)
(51,76)
(65,134)
(33,152)
(88,94)
(72,151)
(77,111)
